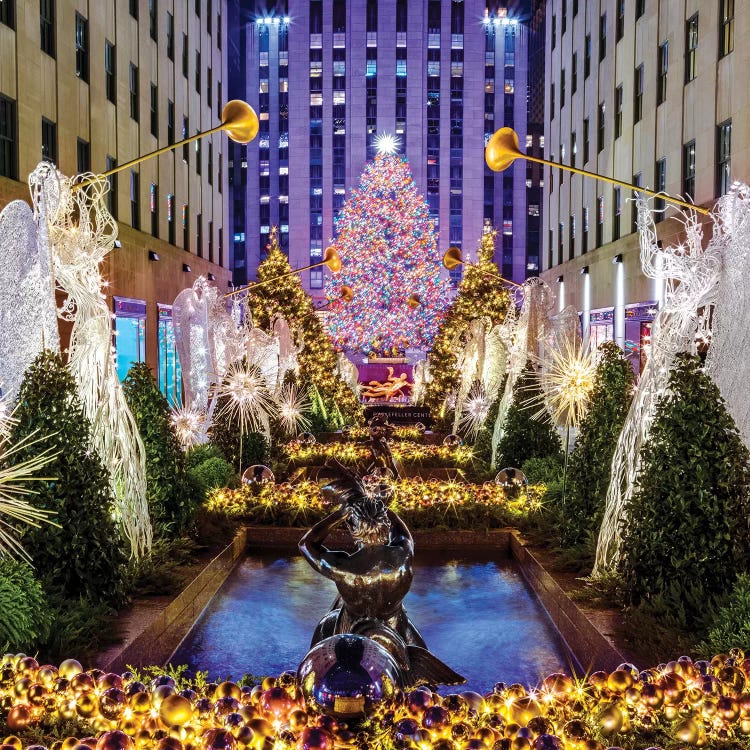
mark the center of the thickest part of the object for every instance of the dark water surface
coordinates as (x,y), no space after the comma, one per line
(477,616)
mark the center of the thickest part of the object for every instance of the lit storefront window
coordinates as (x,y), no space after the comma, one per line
(170,374)
(130,333)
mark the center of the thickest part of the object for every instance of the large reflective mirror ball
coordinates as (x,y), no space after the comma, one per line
(257,474)
(453,441)
(306,438)
(511,480)
(348,676)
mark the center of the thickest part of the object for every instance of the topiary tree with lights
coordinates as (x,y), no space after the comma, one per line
(589,464)
(685,535)
(478,295)
(83,556)
(525,435)
(170,501)
(389,253)
(317,361)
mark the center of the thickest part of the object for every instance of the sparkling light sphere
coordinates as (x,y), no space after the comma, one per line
(511,480)
(348,675)
(306,438)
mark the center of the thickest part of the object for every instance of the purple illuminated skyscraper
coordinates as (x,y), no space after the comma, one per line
(330,78)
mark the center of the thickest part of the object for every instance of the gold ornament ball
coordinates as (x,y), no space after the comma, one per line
(168,743)
(218,739)
(19,717)
(70,668)
(175,709)
(115,740)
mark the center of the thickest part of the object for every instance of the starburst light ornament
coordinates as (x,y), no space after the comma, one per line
(245,399)
(188,426)
(293,404)
(387,143)
(476,408)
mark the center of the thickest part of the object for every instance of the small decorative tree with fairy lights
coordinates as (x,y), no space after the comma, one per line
(479,294)
(391,260)
(317,360)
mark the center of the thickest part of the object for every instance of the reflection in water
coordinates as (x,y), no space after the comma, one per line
(477,616)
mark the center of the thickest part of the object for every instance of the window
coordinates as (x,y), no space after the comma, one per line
(134,9)
(662,68)
(8,13)
(587,56)
(209,86)
(574,74)
(620,26)
(186,227)
(638,94)
(210,165)
(170,219)
(616,213)
(152,19)
(170,122)
(185,55)
(660,182)
(726,27)
(221,247)
(211,241)
(49,140)
(575,8)
(688,170)
(600,129)
(170,36)
(83,156)
(198,157)
(209,17)
(170,373)
(560,242)
(640,8)
(618,111)
(153,205)
(110,71)
(186,147)
(554,31)
(8,138)
(602,36)
(134,92)
(199,235)
(47,26)
(573,149)
(82,48)
(564,17)
(552,99)
(111,163)
(154,111)
(198,8)
(585,238)
(586,138)
(135,200)
(571,237)
(316,279)
(198,72)
(723,157)
(600,221)
(219,100)
(562,88)
(691,47)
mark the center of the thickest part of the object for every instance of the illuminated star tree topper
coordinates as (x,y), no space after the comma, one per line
(390,258)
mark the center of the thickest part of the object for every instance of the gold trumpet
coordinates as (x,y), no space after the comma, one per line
(331,258)
(502,150)
(453,259)
(238,118)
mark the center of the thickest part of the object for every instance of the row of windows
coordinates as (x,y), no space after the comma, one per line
(725,26)
(691,48)
(48,39)
(723,182)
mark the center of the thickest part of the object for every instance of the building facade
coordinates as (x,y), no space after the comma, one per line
(649,92)
(328,77)
(89,85)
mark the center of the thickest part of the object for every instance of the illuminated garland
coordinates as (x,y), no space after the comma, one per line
(404,452)
(678,704)
(389,252)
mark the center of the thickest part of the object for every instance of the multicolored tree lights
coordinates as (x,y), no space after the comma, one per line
(389,251)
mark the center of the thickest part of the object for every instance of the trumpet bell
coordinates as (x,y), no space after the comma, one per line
(238,118)
(332,259)
(502,149)
(452,258)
